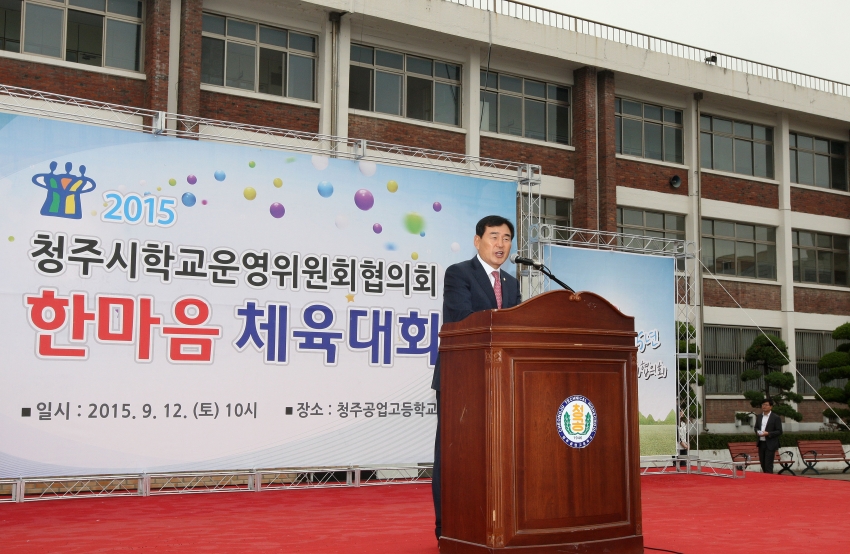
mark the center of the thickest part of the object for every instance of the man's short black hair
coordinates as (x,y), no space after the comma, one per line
(769,401)
(492,221)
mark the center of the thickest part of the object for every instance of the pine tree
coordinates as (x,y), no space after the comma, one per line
(771,353)
(836,365)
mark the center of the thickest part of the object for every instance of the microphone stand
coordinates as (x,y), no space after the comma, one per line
(547,273)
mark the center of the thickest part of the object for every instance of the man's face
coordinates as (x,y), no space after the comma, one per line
(495,246)
(766,407)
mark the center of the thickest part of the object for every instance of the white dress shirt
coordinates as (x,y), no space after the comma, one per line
(764,419)
(489,269)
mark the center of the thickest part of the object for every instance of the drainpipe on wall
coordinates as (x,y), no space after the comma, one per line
(335,18)
(698,96)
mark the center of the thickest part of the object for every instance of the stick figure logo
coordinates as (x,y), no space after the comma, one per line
(64,191)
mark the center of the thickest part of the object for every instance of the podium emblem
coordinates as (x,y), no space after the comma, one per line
(576,421)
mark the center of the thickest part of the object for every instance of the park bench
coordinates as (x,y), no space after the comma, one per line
(813,452)
(747,454)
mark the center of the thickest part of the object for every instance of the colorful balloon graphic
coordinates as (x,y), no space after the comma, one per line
(325,189)
(277,210)
(364,200)
(143,182)
(290,160)
(319,162)
(414,223)
(377,228)
(455,247)
(392,186)
(191,179)
(277,182)
(204,202)
(390,246)
(172,182)
(188,199)
(421,233)
(414,256)
(158,188)
(249,193)
(252,164)
(219,175)
(437,206)
(341,221)
(367,168)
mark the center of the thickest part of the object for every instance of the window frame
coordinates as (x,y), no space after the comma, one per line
(404,73)
(807,366)
(731,364)
(680,235)
(771,175)
(736,240)
(65,6)
(485,86)
(619,114)
(797,273)
(794,148)
(258,45)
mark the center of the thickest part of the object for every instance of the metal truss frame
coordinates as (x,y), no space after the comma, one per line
(161,484)
(687,401)
(528,221)
(677,465)
(70,108)
(60,488)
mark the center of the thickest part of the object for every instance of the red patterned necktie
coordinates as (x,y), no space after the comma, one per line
(497,288)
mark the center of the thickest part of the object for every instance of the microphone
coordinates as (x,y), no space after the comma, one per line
(517,259)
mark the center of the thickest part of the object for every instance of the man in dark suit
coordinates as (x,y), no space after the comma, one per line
(474,286)
(768,427)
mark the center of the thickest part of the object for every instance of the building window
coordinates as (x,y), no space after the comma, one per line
(819,258)
(811,347)
(819,162)
(648,131)
(102,33)
(736,146)
(10,25)
(739,249)
(269,60)
(525,108)
(401,84)
(724,349)
(633,221)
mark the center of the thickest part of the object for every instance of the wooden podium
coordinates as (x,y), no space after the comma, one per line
(510,483)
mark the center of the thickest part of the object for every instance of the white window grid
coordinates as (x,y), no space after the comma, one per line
(619,113)
(404,73)
(490,83)
(736,239)
(65,6)
(734,137)
(257,45)
(829,153)
(835,248)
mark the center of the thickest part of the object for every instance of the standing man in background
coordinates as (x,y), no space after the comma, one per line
(768,428)
(474,286)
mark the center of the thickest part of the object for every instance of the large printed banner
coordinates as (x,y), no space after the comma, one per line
(175,305)
(644,287)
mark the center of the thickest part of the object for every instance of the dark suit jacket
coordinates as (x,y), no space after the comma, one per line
(774,429)
(467,289)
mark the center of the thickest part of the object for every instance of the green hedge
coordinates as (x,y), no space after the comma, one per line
(712,441)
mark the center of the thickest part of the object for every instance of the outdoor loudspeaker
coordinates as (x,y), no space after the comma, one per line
(675,181)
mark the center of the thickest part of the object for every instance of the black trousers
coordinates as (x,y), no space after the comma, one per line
(766,457)
(435,477)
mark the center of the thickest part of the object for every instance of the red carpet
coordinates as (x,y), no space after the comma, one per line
(681,513)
